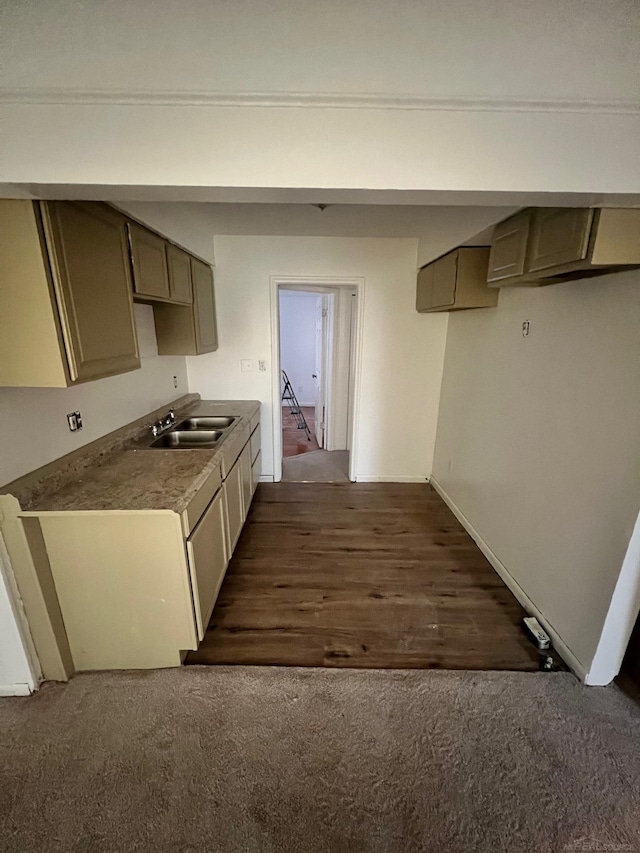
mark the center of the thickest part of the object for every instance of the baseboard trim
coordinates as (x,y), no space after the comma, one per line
(15,690)
(391,478)
(570,659)
(266,478)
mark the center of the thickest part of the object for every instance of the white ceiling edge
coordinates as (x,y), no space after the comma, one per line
(311,196)
(310,100)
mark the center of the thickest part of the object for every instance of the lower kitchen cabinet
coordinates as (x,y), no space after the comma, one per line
(234,505)
(136,588)
(256,470)
(208,559)
(245,467)
(124,587)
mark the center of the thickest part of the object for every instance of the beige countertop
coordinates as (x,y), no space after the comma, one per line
(123,474)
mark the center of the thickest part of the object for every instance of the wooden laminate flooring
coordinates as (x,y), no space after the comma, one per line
(362,575)
(294,440)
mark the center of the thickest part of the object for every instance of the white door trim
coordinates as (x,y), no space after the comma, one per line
(319,284)
(22,649)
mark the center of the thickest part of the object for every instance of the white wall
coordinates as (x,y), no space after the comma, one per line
(298,312)
(402,350)
(538,442)
(559,49)
(173,95)
(33,421)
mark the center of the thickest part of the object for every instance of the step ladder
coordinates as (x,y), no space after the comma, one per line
(294,406)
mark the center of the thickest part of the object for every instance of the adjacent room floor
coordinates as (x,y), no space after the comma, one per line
(303,460)
(287,760)
(362,575)
(296,441)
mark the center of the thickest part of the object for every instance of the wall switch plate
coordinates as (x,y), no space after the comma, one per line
(526,326)
(74,419)
(262,366)
(175,381)
(246,365)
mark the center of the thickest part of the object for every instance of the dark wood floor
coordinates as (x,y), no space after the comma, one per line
(362,575)
(294,440)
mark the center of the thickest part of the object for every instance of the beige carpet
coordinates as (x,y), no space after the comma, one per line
(281,759)
(318,466)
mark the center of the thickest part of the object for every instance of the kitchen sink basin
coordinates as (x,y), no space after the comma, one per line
(206,423)
(189,439)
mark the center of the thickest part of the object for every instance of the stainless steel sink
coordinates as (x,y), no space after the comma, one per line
(188,439)
(206,423)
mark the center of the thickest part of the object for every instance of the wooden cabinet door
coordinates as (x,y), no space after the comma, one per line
(445,271)
(179,265)
(90,265)
(208,559)
(509,247)
(204,306)
(149,262)
(234,505)
(245,467)
(256,470)
(559,236)
(424,291)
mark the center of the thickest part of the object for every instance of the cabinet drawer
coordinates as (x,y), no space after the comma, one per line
(208,559)
(234,447)
(201,501)
(559,236)
(255,420)
(509,247)
(255,444)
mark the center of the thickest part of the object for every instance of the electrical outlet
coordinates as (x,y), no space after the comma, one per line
(246,365)
(175,381)
(74,419)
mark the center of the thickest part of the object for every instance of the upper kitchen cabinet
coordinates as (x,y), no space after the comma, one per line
(66,313)
(179,263)
(547,245)
(205,306)
(149,263)
(509,247)
(456,281)
(189,329)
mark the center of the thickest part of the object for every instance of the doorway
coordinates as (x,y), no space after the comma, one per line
(317,347)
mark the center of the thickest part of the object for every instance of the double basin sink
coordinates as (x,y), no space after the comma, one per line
(194,433)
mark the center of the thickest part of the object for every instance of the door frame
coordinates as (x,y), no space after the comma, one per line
(319,284)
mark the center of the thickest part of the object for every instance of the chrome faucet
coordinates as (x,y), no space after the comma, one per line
(164,423)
